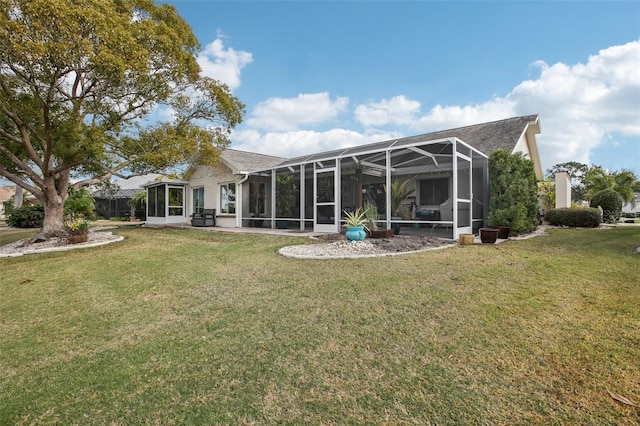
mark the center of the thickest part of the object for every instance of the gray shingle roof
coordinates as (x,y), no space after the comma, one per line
(485,137)
(244,161)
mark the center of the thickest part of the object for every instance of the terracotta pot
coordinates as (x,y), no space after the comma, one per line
(488,235)
(78,238)
(503,232)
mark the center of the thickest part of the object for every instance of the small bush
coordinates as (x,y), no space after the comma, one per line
(581,217)
(611,203)
(80,202)
(30,216)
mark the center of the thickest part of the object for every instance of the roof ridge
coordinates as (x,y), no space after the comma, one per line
(482,124)
(252,152)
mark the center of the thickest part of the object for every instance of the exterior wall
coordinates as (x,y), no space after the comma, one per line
(563,190)
(522,146)
(527,145)
(210,179)
(627,208)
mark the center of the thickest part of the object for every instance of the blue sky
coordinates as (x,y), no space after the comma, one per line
(322,75)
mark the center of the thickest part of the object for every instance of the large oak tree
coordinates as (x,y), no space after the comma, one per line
(80,81)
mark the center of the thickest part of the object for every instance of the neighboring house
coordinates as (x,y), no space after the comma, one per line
(631,208)
(114,201)
(446,171)
(6,192)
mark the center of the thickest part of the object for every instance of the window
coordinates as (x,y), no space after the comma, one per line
(198,200)
(228,198)
(176,201)
(156,201)
(434,192)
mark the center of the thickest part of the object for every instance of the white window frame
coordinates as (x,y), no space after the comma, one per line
(224,202)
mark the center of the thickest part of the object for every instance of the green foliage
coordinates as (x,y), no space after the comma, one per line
(371,216)
(102,68)
(611,203)
(582,217)
(79,203)
(399,192)
(285,191)
(76,225)
(27,216)
(577,172)
(623,182)
(356,218)
(513,198)
(547,193)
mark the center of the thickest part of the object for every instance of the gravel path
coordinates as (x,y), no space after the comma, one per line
(343,249)
(19,248)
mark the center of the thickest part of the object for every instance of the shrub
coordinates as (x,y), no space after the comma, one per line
(611,203)
(80,202)
(29,216)
(76,225)
(583,217)
(513,191)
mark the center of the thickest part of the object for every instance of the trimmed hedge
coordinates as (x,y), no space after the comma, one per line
(580,217)
(29,216)
(611,203)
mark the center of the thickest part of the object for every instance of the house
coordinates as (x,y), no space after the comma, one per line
(632,207)
(6,192)
(445,172)
(113,201)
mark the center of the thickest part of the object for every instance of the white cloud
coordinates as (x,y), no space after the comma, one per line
(581,107)
(287,114)
(448,117)
(397,110)
(223,64)
(303,142)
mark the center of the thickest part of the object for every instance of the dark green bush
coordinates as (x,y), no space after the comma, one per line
(582,217)
(513,192)
(29,216)
(611,203)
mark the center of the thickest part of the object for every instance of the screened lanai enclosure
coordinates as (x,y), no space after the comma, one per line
(417,187)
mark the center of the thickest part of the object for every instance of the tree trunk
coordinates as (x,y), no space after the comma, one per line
(17,198)
(53,223)
(53,198)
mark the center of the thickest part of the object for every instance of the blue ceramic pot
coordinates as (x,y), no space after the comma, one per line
(355,233)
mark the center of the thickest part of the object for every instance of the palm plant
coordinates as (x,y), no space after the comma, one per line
(399,192)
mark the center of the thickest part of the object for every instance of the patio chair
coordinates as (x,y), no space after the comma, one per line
(206,218)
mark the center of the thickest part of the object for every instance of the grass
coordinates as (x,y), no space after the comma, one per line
(190,327)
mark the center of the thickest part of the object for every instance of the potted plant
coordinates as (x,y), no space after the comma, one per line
(399,192)
(285,190)
(371,225)
(355,222)
(77,229)
(140,198)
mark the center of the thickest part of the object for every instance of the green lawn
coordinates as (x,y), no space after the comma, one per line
(190,327)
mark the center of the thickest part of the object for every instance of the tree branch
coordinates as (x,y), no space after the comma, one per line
(20,182)
(24,167)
